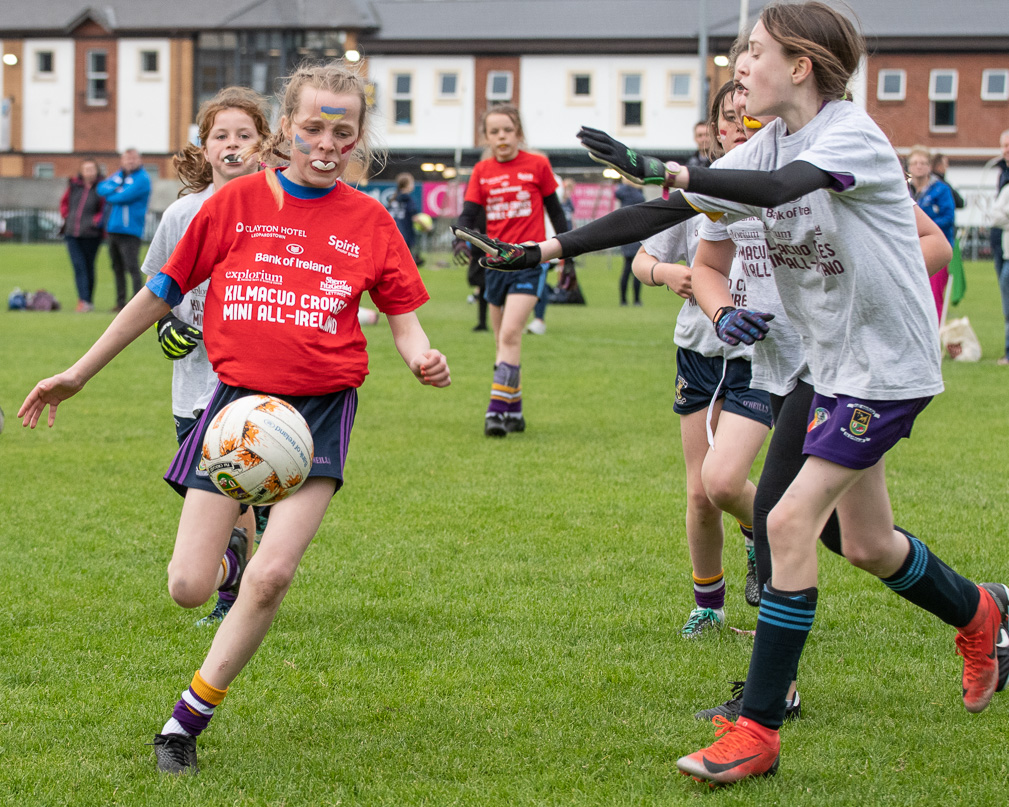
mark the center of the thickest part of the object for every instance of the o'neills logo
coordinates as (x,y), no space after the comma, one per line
(345,247)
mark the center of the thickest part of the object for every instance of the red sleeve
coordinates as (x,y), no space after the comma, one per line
(547,181)
(65,203)
(197,252)
(399,289)
(474,190)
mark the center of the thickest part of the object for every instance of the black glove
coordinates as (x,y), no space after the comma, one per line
(638,168)
(501,255)
(177,338)
(735,325)
(460,252)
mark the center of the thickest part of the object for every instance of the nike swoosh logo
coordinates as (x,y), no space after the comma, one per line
(1003,638)
(721,767)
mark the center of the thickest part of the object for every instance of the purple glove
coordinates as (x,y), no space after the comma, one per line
(735,325)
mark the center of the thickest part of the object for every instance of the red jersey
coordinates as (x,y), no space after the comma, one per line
(281,308)
(512,193)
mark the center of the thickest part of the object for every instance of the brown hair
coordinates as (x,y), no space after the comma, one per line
(827,38)
(504,109)
(338,78)
(195,173)
(715,149)
(403,181)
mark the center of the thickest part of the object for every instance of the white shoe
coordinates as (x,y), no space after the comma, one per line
(537,326)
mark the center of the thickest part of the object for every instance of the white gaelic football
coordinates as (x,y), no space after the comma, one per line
(258,450)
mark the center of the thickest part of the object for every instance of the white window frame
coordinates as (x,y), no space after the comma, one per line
(395,96)
(440,94)
(989,96)
(43,170)
(93,75)
(148,74)
(499,97)
(941,97)
(45,75)
(882,94)
(671,96)
(586,99)
(632,98)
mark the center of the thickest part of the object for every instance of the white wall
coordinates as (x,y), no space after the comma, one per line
(437,123)
(47,101)
(142,100)
(551,117)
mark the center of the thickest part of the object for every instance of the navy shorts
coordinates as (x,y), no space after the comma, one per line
(855,432)
(526,281)
(330,417)
(697,378)
(183,426)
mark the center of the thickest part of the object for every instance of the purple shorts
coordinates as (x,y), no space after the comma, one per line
(330,417)
(856,433)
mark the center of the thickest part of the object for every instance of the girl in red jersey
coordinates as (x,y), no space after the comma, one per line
(288,254)
(514,187)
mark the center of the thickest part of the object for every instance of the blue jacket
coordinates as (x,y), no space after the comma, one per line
(937,202)
(127,198)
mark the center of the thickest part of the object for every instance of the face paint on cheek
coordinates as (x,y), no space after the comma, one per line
(349,147)
(333,113)
(301,145)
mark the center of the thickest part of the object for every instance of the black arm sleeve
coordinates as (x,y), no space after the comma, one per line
(469,215)
(556,213)
(761,188)
(626,225)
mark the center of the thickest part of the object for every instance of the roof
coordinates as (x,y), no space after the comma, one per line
(522,23)
(60,17)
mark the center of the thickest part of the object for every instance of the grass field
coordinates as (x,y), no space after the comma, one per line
(477,622)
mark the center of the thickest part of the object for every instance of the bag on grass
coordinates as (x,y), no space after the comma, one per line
(42,300)
(567,289)
(959,341)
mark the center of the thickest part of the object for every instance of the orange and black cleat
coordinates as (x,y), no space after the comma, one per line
(743,749)
(976,642)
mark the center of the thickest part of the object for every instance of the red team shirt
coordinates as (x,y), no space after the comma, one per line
(285,286)
(512,193)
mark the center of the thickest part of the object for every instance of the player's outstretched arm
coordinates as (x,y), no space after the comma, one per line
(139,314)
(638,168)
(428,364)
(507,257)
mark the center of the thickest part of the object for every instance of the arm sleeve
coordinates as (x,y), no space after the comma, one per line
(626,225)
(469,216)
(138,189)
(556,213)
(65,203)
(946,213)
(165,287)
(762,188)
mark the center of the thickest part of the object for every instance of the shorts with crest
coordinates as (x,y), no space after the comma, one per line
(330,418)
(699,377)
(498,284)
(855,432)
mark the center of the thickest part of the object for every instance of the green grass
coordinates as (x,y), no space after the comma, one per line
(477,622)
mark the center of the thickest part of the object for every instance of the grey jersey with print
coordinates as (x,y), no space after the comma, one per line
(847,261)
(694,330)
(193,379)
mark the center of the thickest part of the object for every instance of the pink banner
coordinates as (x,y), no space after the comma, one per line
(443,198)
(593,200)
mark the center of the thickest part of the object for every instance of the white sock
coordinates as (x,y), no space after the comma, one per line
(173,726)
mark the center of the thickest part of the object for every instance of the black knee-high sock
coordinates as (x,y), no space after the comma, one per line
(785,619)
(930,584)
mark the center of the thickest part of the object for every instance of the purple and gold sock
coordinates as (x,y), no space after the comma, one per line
(506,391)
(709,592)
(194,709)
(230,564)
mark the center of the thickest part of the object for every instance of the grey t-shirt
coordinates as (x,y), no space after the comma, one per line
(778,360)
(694,330)
(847,261)
(193,379)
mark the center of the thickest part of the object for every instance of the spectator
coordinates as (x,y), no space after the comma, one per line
(702,138)
(935,198)
(82,210)
(1001,271)
(404,210)
(126,192)
(940,165)
(629,194)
